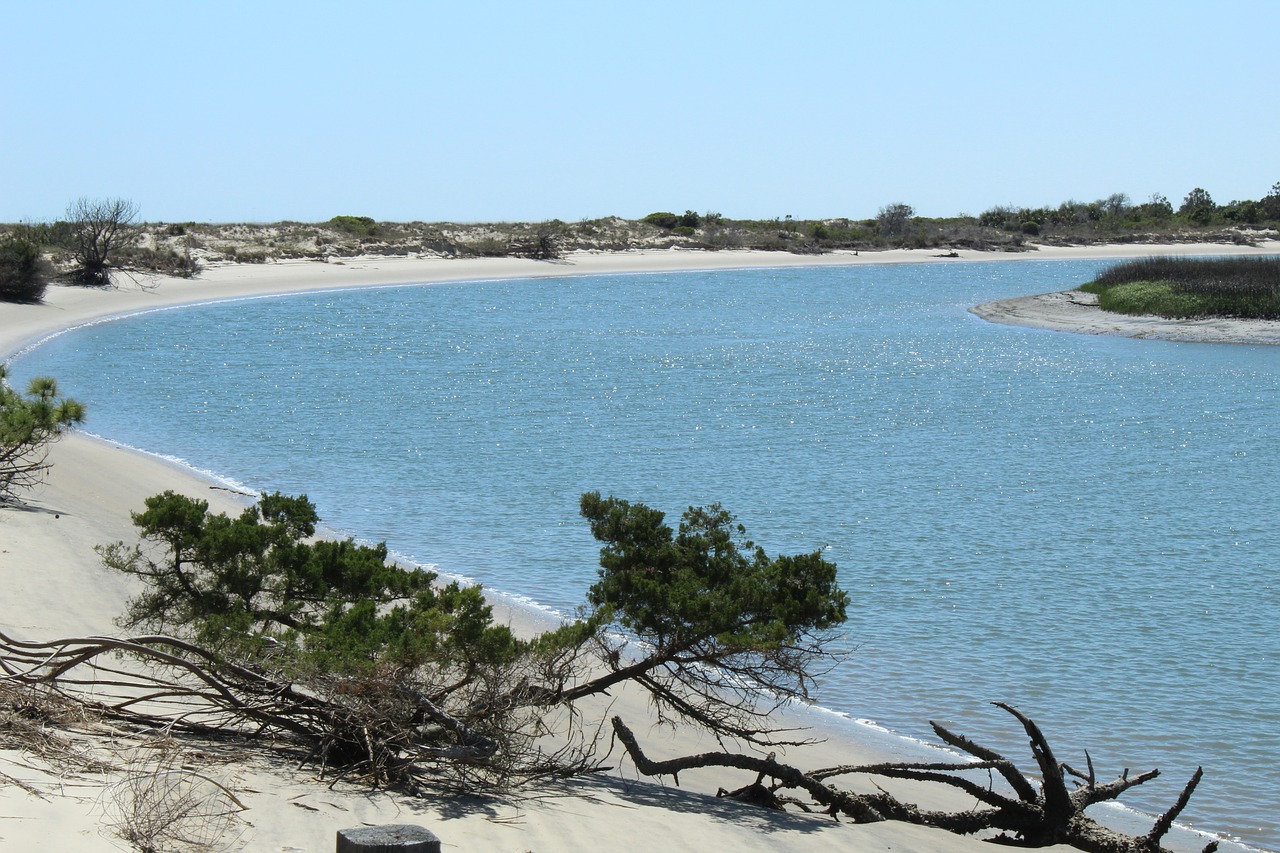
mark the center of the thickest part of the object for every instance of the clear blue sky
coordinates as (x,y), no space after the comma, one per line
(472,111)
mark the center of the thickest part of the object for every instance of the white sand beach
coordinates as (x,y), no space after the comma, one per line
(54,586)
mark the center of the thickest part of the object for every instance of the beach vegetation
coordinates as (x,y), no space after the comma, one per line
(543,244)
(1117,218)
(1198,207)
(689,220)
(398,677)
(487,247)
(716,632)
(234,583)
(1156,209)
(97,231)
(29,423)
(728,633)
(1269,205)
(892,219)
(163,260)
(662,219)
(180,249)
(24,271)
(247,254)
(1190,288)
(360,226)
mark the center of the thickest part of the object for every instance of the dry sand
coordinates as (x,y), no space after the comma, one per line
(53,586)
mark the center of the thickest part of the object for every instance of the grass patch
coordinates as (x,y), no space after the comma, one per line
(1190,288)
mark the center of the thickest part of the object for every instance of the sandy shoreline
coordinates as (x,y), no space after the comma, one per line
(54,587)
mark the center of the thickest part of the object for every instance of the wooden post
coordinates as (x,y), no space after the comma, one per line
(398,838)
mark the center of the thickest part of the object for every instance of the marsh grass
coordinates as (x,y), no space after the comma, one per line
(1189,288)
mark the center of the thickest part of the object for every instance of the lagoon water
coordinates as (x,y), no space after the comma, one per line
(1085,527)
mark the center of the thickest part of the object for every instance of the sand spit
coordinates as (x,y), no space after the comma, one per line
(1077,311)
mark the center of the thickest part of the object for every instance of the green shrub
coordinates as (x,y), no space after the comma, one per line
(361,226)
(1031,228)
(164,260)
(24,273)
(662,219)
(247,254)
(486,247)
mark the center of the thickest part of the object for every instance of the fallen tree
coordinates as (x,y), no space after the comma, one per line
(402,738)
(396,735)
(717,632)
(1030,816)
(373,672)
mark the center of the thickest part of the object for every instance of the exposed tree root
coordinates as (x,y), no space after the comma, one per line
(1034,816)
(391,732)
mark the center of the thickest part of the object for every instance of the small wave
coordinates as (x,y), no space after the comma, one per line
(223,482)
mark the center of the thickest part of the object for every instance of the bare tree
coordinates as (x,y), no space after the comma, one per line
(100,228)
(892,219)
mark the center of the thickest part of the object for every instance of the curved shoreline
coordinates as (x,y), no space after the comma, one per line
(66,307)
(1077,311)
(94,484)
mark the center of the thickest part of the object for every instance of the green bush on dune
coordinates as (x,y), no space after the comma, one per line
(24,272)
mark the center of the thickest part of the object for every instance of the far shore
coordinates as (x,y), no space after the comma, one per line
(65,307)
(55,587)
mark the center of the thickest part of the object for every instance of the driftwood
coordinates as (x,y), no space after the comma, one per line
(391,732)
(1033,816)
(387,732)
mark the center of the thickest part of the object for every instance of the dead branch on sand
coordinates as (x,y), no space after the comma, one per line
(1034,816)
(384,732)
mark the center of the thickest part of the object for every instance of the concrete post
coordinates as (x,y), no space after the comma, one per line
(398,838)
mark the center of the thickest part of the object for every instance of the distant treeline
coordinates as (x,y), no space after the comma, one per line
(180,248)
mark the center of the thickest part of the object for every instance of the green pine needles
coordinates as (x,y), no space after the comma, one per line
(260,581)
(726,633)
(29,423)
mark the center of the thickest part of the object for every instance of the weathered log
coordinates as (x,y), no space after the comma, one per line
(861,808)
(1034,817)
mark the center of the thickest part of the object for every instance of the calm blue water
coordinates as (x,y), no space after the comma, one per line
(1082,526)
